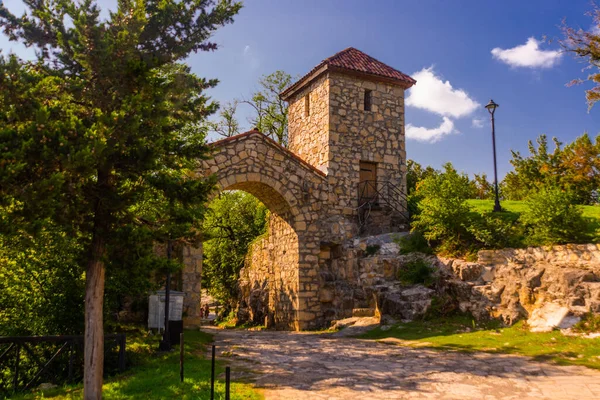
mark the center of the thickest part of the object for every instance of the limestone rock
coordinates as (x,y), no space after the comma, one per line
(551,316)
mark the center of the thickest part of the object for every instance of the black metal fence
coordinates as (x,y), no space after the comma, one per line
(27,361)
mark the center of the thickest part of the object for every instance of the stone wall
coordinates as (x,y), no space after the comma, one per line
(191,257)
(309,134)
(514,284)
(358,135)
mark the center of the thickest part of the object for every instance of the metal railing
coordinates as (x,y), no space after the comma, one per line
(380,194)
(26,361)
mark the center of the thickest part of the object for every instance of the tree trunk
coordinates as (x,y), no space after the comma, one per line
(93,353)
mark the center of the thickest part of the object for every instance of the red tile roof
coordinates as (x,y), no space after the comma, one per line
(353,60)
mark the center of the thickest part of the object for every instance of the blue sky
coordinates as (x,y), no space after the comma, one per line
(447,45)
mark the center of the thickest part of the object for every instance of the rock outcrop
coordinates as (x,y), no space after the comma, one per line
(549,286)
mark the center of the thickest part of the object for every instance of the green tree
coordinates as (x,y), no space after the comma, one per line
(482,188)
(443,216)
(415,173)
(105,117)
(41,283)
(269,111)
(539,168)
(574,168)
(553,218)
(580,168)
(227,125)
(233,221)
(583,44)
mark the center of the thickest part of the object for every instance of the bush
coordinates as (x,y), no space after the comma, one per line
(491,230)
(413,243)
(417,272)
(444,215)
(553,218)
(590,323)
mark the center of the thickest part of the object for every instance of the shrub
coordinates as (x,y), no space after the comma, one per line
(443,216)
(413,243)
(590,323)
(552,217)
(417,272)
(491,230)
(442,305)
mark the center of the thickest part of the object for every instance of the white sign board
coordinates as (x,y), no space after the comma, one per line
(156,309)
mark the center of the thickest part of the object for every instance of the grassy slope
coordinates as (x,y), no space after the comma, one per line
(156,375)
(462,334)
(512,210)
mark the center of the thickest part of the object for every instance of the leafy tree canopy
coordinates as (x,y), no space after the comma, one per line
(233,221)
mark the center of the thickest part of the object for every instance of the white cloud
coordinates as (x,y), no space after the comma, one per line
(431,93)
(430,135)
(528,55)
(250,58)
(477,122)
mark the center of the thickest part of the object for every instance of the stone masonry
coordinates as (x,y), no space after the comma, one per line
(312,188)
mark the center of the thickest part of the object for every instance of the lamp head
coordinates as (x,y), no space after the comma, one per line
(491,106)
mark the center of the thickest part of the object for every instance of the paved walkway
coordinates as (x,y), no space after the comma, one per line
(295,366)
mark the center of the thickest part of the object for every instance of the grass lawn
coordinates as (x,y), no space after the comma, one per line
(156,375)
(512,210)
(461,333)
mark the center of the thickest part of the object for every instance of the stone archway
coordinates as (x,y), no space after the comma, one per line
(294,192)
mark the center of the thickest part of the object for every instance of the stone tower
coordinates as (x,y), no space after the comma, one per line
(343,175)
(346,118)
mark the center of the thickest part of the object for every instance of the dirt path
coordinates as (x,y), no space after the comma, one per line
(294,366)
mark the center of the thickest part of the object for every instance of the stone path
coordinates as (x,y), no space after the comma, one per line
(289,365)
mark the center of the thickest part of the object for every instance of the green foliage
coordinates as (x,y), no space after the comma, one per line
(583,45)
(415,173)
(494,230)
(552,218)
(372,249)
(574,168)
(155,375)
(442,306)
(443,216)
(590,323)
(233,221)
(102,133)
(269,111)
(413,243)
(481,187)
(417,272)
(41,284)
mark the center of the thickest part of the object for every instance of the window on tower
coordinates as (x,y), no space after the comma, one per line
(367,104)
(307,105)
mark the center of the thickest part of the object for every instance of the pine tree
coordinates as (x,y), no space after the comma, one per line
(104,126)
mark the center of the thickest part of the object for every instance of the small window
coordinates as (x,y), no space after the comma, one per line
(367,104)
(307,105)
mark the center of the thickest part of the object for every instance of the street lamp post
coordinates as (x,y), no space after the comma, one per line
(491,107)
(165,343)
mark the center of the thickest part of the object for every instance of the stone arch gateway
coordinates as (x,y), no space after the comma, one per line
(343,176)
(294,192)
